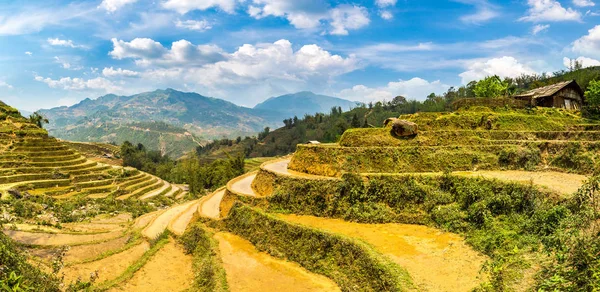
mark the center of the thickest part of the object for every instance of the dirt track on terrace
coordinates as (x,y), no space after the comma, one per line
(436,260)
(562,183)
(59,239)
(250,270)
(89,251)
(180,223)
(170,269)
(244,185)
(162,221)
(211,207)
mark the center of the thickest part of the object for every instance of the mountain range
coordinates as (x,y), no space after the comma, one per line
(174,122)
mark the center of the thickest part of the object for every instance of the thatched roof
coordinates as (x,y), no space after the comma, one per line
(550,90)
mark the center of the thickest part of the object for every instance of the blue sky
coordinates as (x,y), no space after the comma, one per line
(56,53)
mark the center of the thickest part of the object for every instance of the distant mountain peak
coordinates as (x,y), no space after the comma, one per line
(303,102)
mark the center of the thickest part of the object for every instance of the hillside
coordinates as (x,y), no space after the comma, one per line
(166,120)
(301,103)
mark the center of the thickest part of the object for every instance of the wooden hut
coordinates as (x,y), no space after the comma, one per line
(567,95)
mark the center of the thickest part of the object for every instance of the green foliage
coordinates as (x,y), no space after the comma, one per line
(209,271)
(38,120)
(16,274)
(491,86)
(190,170)
(592,94)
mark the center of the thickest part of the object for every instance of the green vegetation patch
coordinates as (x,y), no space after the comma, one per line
(209,274)
(353,265)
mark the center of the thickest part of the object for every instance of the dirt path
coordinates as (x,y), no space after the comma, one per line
(281,167)
(156,192)
(162,221)
(170,269)
(562,183)
(211,206)
(108,268)
(250,270)
(244,185)
(59,239)
(180,223)
(436,260)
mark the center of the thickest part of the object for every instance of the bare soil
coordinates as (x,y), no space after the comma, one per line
(90,251)
(59,239)
(250,270)
(436,260)
(562,183)
(180,223)
(211,206)
(162,221)
(244,186)
(170,269)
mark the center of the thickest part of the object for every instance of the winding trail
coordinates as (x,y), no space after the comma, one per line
(244,185)
(250,270)
(160,223)
(210,207)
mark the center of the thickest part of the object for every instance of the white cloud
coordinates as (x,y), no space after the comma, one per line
(583,3)
(485,11)
(148,52)
(4,84)
(386,15)
(66,64)
(185,6)
(301,14)
(63,43)
(28,53)
(549,10)
(503,67)
(198,25)
(346,17)
(78,84)
(110,72)
(589,44)
(584,61)
(309,14)
(385,3)
(114,5)
(415,88)
(539,28)
(34,19)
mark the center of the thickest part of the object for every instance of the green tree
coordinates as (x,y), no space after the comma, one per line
(355,121)
(491,86)
(38,119)
(592,95)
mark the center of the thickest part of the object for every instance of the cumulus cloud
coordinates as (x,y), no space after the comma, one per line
(584,61)
(549,10)
(347,17)
(385,3)
(386,15)
(148,52)
(110,72)
(63,43)
(539,28)
(68,83)
(185,6)
(503,67)
(66,64)
(415,88)
(4,84)
(583,3)
(589,44)
(309,14)
(28,53)
(114,5)
(198,25)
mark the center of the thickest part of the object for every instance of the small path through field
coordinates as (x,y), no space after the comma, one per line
(170,269)
(281,167)
(250,270)
(244,185)
(562,183)
(156,192)
(436,260)
(211,206)
(162,221)
(180,223)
